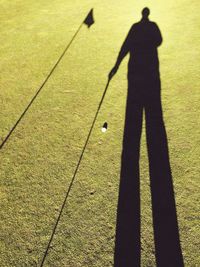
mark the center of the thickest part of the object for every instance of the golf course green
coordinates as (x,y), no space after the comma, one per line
(38,160)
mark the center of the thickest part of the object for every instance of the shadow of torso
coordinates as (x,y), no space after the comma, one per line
(143,68)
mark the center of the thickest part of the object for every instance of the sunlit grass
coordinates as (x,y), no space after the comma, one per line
(38,161)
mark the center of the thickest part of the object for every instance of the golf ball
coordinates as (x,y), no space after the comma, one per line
(103,130)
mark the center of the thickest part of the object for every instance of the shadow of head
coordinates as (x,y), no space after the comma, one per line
(145,13)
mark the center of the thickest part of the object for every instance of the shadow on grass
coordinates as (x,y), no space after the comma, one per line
(144,95)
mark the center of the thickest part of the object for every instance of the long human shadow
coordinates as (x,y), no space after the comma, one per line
(144,95)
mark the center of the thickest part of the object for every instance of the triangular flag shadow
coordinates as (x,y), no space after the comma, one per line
(89,20)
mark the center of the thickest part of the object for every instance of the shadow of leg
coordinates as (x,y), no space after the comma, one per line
(127,244)
(166,233)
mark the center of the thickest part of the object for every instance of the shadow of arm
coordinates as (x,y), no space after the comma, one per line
(125,49)
(157,35)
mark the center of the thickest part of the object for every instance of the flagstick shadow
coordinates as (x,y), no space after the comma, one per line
(89,21)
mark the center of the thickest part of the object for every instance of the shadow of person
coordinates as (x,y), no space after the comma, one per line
(144,94)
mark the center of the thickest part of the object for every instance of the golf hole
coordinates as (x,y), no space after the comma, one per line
(104,127)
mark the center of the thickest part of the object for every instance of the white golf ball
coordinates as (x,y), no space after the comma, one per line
(103,130)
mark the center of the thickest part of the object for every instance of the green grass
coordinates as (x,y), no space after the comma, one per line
(38,161)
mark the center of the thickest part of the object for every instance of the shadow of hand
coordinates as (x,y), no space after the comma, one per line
(112,72)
